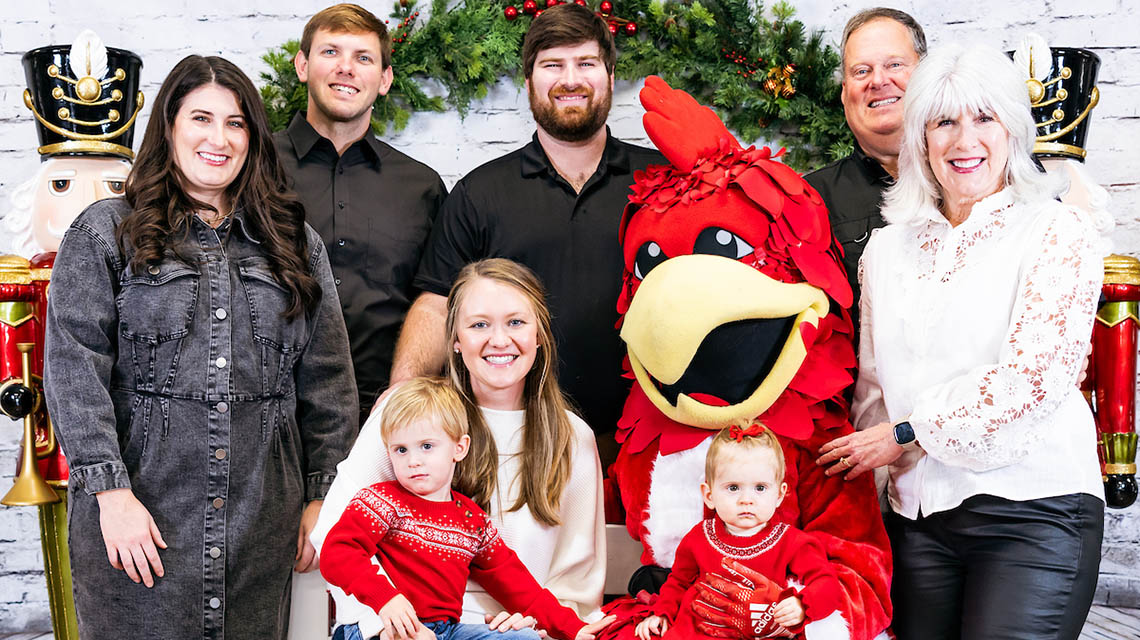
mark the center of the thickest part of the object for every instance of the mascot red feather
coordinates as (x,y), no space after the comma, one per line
(733,308)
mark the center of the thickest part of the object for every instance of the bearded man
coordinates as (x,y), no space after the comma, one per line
(553,205)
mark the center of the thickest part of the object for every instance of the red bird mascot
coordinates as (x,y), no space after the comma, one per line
(733,308)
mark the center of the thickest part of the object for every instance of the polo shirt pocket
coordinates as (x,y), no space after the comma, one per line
(853,236)
(394,251)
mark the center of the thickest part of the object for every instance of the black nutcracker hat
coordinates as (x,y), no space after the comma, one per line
(1062,92)
(85,97)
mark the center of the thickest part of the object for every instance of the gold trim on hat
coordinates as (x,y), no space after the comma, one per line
(116,96)
(65,115)
(84,136)
(87,146)
(1094,98)
(1071,150)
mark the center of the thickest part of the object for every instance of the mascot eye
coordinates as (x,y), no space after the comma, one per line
(115,187)
(648,256)
(721,242)
(60,186)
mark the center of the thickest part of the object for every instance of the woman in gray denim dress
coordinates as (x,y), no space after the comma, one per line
(198,372)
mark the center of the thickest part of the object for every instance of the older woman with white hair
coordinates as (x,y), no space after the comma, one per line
(978,302)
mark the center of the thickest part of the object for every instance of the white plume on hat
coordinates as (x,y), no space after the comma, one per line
(88,55)
(1033,57)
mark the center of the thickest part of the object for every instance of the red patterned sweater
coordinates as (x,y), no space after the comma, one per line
(428,550)
(777,551)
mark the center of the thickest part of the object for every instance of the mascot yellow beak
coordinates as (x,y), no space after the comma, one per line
(702,322)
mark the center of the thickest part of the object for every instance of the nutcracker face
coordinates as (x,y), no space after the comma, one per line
(66,185)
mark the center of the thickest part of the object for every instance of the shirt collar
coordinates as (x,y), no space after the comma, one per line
(981,211)
(615,157)
(243,226)
(304,137)
(871,167)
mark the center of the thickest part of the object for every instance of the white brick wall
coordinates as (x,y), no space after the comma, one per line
(164,31)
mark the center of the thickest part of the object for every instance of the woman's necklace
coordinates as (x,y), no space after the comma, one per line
(212,218)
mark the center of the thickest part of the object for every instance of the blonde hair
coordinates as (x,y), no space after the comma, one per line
(725,443)
(425,399)
(548,437)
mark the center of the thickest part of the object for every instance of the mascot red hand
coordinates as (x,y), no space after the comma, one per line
(733,305)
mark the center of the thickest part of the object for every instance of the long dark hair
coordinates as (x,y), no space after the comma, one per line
(162,210)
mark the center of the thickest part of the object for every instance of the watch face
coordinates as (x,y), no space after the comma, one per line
(904,433)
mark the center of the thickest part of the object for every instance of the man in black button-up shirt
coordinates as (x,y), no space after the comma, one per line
(881,47)
(372,205)
(553,205)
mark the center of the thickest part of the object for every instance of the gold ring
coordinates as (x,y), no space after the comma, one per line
(845,462)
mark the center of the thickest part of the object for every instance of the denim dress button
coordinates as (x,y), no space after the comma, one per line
(215,552)
(220,314)
(215,603)
(222,407)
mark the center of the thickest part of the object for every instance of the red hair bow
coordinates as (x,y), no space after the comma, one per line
(739,434)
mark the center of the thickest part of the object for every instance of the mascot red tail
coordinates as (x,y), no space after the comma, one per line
(734,310)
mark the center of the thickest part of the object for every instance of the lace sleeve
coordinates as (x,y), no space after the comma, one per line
(867,407)
(986,418)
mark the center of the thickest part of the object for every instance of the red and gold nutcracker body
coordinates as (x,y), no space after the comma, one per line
(41,474)
(1112,377)
(23,305)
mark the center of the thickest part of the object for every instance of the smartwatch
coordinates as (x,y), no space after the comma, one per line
(904,435)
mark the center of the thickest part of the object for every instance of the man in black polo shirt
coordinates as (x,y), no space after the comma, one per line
(553,205)
(372,205)
(881,47)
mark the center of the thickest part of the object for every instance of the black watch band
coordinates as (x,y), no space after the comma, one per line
(904,434)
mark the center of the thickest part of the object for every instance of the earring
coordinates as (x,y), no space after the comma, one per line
(457,350)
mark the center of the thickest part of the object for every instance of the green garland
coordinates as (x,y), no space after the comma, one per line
(766,77)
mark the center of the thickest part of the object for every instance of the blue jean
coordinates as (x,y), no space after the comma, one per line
(448,630)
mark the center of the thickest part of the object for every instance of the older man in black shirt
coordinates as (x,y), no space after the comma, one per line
(372,205)
(553,205)
(881,47)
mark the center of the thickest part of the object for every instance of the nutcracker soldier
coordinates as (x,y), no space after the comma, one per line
(85,100)
(1062,91)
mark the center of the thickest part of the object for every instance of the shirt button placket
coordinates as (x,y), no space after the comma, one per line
(218,436)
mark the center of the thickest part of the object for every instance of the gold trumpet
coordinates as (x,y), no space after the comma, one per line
(21,400)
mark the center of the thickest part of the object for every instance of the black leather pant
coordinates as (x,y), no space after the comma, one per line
(997,569)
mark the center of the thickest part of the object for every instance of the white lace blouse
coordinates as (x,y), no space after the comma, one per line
(977,334)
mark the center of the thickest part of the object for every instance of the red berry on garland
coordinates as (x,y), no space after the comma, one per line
(552,3)
(606,7)
(511,12)
(529,7)
(580,3)
(613,28)
(631,28)
(538,13)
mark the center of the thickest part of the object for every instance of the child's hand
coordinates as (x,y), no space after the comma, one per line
(423,634)
(652,626)
(400,618)
(590,631)
(788,612)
